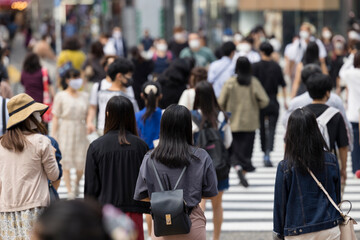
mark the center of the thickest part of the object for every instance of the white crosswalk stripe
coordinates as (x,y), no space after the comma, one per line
(251,209)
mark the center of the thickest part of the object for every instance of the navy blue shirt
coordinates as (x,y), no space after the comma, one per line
(150,129)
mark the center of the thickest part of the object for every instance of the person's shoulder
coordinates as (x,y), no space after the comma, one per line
(60,94)
(38,138)
(136,140)
(200,153)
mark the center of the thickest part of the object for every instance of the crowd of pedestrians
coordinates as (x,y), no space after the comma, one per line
(179,114)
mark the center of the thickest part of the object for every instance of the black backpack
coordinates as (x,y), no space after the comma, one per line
(210,139)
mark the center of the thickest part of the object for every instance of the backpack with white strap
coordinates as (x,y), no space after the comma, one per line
(323,120)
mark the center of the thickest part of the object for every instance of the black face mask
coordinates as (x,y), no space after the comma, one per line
(129,82)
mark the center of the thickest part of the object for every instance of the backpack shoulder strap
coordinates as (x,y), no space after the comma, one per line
(327,115)
(158,177)
(196,117)
(4,114)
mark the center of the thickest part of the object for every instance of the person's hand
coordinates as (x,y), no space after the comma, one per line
(90,128)
(343,175)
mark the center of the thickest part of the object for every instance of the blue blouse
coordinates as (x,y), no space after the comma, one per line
(150,129)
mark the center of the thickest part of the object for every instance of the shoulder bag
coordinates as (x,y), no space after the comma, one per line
(347,226)
(169,210)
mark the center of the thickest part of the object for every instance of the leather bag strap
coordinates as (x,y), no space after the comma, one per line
(326,193)
(158,177)
(4,114)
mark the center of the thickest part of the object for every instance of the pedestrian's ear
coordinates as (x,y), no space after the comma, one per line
(107,113)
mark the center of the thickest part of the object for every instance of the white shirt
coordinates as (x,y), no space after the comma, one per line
(110,47)
(1,114)
(351,77)
(95,90)
(219,72)
(105,95)
(253,57)
(295,51)
(187,99)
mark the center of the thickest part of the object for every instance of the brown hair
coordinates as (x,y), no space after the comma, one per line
(14,138)
(120,116)
(198,74)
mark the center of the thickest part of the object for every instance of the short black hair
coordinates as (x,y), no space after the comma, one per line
(318,84)
(120,65)
(227,48)
(308,70)
(266,48)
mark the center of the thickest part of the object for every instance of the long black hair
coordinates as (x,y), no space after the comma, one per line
(120,116)
(311,54)
(305,144)
(243,71)
(175,138)
(205,100)
(151,91)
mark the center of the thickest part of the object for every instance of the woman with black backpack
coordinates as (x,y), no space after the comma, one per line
(177,166)
(212,132)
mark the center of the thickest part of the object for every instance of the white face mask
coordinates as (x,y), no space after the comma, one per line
(76,84)
(161,47)
(116,34)
(304,34)
(353,35)
(326,34)
(179,36)
(243,47)
(194,44)
(237,37)
(38,118)
(227,38)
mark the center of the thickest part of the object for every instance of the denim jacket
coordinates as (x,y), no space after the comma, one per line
(300,206)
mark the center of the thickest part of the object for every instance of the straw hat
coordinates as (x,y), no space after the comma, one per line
(21,106)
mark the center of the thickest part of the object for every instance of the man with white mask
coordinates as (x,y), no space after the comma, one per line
(244,49)
(116,45)
(203,55)
(297,49)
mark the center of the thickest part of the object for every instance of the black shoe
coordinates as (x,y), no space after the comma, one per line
(242,178)
(267,161)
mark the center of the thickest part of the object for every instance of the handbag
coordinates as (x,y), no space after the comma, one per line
(54,196)
(169,210)
(47,116)
(347,226)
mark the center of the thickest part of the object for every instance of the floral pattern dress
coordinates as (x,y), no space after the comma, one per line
(72,136)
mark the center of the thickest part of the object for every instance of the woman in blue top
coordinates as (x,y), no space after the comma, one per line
(300,206)
(148,119)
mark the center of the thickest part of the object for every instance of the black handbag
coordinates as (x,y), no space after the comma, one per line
(169,210)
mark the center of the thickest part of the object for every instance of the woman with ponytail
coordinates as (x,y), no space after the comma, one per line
(148,119)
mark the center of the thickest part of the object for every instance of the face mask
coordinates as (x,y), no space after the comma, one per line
(244,47)
(326,34)
(161,47)
(117,34)
(227,38)
(304,34)
(353,35)
(194,44)
(129,82)
(238,38)
(38,118)
(262,39)
(179,36)
(76,84)
(339,46)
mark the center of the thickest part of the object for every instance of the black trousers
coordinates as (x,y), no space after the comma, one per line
(268,120)
(241,150)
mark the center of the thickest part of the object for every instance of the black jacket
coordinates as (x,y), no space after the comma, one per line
(112,169)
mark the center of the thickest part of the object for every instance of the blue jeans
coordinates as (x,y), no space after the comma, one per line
(355,154)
